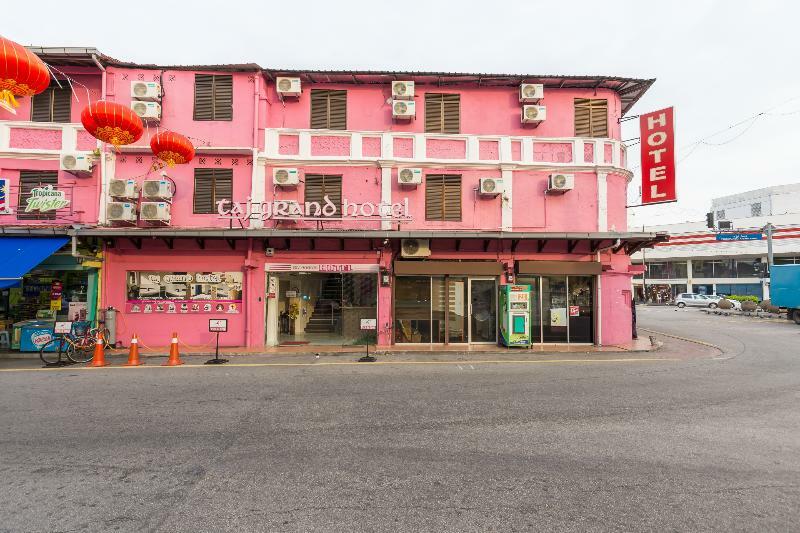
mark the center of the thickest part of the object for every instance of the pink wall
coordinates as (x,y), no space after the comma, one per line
(155,329)
(615,308)
(82,193)
(177,105)
(484,110)
(137,166)
(90,78)
(617,198)
(533,210)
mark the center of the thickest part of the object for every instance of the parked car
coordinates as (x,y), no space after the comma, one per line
(691,299)
(715,298)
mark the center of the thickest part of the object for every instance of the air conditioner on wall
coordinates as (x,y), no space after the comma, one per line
(121,212)
(531,93)
(285,177)
(288,86)
(123,189)
(415,247)
(155,211)
(409,176)
(403,90)
(404,109)
(560,183)
(157,189)
(491,186)
(146,90)
(533,114)
(147,111)
(77,164)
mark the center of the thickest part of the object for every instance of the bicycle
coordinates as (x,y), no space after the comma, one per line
(76,348)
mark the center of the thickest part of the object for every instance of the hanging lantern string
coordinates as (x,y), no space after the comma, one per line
(53,70)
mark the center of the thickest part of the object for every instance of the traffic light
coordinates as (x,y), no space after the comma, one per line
(709,220)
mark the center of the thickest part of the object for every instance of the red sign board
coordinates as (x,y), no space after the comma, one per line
(658,156)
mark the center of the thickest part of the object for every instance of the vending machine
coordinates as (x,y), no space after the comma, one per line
(515,315)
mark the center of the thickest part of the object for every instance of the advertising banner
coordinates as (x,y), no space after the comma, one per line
(184,292)
(658,157)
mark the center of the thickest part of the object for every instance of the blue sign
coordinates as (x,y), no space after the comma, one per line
(739,236)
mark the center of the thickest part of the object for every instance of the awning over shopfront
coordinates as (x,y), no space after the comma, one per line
(559,267)
(21,254)
(473,268)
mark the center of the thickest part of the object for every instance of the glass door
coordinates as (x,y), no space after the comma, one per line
(554,308)
(483,310)
(457,327)
(581,316)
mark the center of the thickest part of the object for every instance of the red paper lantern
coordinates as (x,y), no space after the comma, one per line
(22,73)
(172,148)
(112,123)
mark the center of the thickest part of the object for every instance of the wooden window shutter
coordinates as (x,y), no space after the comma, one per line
(442,113)
(317,186)
(591,117)
(211,185)
(443,197)
(223,97)
(328,109)
(54,104)
(29,180)
(203,97)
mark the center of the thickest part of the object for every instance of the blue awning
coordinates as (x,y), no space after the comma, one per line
(19,255)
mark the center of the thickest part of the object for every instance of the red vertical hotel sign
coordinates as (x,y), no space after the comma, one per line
(658,157)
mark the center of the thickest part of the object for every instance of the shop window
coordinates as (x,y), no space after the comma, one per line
(702,269)
(591,117)
(328,109)
(213,97)
(412,309)
(724,269)
(210,186)
(322,190)
(52,105)
(29,180)
(442,113)
(443,197)
(746,268)
(786,260)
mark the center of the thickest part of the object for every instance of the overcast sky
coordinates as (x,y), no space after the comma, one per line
(718,62)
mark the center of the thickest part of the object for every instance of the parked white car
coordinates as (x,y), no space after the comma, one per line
(715,298)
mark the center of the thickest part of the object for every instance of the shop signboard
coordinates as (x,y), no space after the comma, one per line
(45,199)
(657,133)
(184,292)
(574,310)
(218,325)
(739,236)
(62,328)
(369,323)
(326,210)
(325,268)
(5,202)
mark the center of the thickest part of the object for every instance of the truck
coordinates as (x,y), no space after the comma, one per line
(784,289)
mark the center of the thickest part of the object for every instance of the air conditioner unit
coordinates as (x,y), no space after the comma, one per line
(560,183)
(533,114)
(404,109)
(288,86)
(403,90)
(77,164)
(155,211)
(409,176)
(285,177)
(491,186)
(123,189)
(147,111)
(157,189)
(531,93)
(146,90)
(121,211)
(415,247)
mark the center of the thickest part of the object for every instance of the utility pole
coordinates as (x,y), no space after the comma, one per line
(644,274)
(768,230)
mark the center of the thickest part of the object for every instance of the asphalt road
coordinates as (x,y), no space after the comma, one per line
(703,442)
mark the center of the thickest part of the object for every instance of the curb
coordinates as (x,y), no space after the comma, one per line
(685,339)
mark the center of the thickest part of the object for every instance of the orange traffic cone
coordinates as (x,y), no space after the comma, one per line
(174,356)
(99,357)
(133,353)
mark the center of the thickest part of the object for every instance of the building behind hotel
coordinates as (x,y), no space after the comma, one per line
(700,259)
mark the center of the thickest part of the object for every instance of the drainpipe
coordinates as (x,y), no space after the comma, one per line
(247,290)
(101,190)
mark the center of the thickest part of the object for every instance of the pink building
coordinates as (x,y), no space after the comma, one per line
(339,207)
